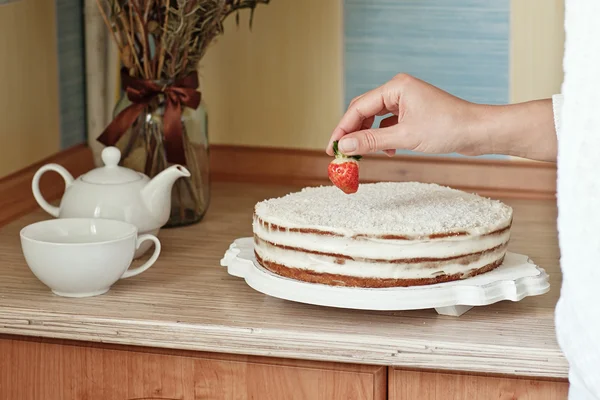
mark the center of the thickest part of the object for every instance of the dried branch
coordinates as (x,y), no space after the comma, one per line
(161,58)
(181,31)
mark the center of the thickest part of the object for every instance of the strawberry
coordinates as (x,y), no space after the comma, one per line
(343,171)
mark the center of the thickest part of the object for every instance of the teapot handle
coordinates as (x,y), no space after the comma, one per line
(35,186)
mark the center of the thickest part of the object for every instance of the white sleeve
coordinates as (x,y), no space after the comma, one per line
(577,119)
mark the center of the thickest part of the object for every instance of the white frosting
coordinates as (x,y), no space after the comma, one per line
(381,249)
(326,264)
(410,209)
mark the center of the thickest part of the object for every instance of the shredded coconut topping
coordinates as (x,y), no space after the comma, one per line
(387,208)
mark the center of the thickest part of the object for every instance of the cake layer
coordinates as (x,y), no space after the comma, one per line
(365,268)
(366,282)
(380,249)
(387,210)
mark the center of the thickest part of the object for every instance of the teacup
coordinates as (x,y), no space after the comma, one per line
(81,257)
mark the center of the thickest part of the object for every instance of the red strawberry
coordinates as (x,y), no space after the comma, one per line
(343,171)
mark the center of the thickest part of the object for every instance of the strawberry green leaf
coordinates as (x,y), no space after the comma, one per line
(335,148)
(338,154)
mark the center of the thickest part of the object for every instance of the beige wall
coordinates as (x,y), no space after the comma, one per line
(282,84)
(29,129)
(279,85)
(537,44)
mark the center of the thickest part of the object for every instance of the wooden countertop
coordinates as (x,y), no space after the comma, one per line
(187,301)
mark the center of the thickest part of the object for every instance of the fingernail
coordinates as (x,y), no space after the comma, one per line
(348,145)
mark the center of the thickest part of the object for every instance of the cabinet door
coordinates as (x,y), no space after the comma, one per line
(31,370)
(409,385)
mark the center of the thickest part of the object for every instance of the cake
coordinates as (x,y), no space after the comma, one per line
(388,234)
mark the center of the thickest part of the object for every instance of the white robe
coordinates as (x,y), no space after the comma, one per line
(577,119)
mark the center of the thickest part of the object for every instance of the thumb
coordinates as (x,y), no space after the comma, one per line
(369,141)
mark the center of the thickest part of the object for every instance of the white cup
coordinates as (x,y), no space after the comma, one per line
(82,257)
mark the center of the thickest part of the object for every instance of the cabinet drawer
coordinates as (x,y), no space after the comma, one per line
(33,370)
(410,385)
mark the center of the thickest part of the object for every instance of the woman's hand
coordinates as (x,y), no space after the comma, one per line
(426,119)
(429,120)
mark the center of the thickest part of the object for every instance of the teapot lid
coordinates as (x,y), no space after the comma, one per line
(111,173)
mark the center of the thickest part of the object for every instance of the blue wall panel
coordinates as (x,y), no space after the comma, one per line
(462,46)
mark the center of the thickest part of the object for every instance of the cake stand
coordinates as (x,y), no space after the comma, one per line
(517,278)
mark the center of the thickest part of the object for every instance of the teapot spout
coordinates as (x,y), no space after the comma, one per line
(156,194)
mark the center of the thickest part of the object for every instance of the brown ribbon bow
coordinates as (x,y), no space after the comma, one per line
(140,92)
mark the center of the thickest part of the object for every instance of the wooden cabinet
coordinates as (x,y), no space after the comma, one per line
(411,385)
(34,370)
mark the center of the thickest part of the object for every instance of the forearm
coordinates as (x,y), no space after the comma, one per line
(524,130)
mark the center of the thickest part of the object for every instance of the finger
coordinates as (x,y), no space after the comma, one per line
(367,106)
(369,141)
(362,95)
(379,101)
(336,135)
(356,98)
(387,122)
(367,123)
(361,108)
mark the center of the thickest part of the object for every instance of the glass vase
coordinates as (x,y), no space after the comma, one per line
(142,150)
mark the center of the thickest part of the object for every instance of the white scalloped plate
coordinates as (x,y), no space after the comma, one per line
(517,278)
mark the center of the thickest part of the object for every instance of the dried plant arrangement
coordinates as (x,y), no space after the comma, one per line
(160,44)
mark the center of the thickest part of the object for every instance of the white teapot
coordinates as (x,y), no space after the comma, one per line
(114,192)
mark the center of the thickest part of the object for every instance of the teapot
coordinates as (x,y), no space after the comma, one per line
(114,192)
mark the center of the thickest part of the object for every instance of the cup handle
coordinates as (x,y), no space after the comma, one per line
(35,186)
(136,271)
